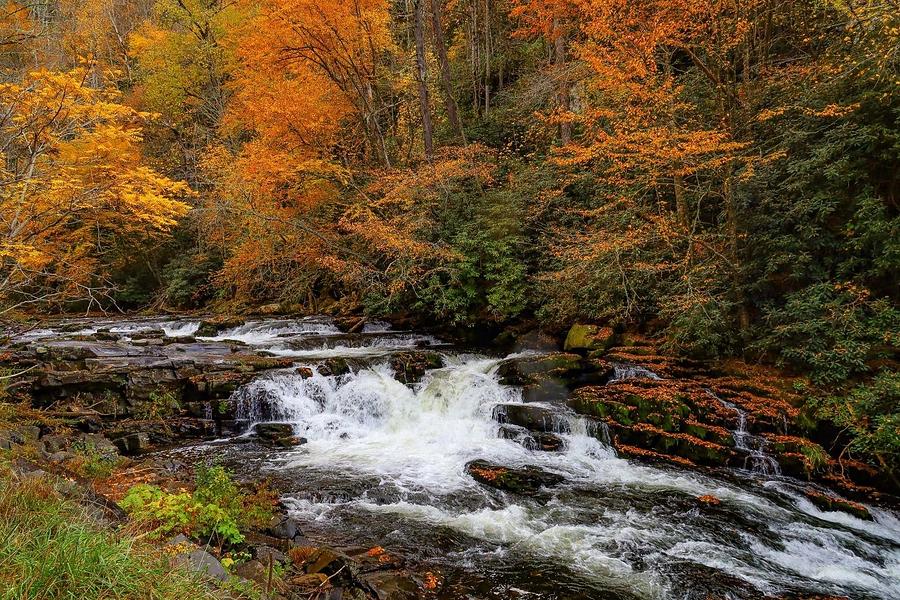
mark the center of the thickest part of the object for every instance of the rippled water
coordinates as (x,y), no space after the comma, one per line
(385,464)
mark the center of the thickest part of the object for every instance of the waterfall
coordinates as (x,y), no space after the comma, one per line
(622,371)
(385,464)
(753,446)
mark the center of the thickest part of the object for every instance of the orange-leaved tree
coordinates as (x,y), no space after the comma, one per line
(75,191)
(663,121)
(306,104)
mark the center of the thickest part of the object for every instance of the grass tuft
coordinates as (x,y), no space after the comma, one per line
(50,548)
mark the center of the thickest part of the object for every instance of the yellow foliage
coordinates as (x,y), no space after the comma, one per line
(74,186)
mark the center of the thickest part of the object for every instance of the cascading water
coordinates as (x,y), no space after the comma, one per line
(385,464)
(754,447)
(623,371)
(394,459)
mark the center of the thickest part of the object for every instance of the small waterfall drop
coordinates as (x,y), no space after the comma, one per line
(756,459)
(623,371)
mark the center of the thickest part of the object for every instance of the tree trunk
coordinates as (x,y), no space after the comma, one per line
(422,77)
(563,97)
(681,202)
(440,50)
(733,233)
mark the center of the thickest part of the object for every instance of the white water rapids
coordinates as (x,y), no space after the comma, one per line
(385,464)
(416,442)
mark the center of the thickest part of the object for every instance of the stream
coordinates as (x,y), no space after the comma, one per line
(384,464)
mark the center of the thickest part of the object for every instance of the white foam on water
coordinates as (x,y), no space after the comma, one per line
(418,440)
(264,333)
(623,371)
(180,328)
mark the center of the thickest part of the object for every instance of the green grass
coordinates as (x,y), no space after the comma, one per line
(51,549)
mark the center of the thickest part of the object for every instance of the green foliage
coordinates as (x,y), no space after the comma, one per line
(53,549)
(160,405)
(832,331)
(93,462)
(186,279)
(217,509)
(815,456)
(870,411)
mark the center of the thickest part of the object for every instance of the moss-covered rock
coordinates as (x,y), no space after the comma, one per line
(525,480)
(533,369)
(588,338)
(833,503)
(410,367)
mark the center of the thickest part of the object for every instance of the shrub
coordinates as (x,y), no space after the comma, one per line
(91,461)
(870,411)
(217,509)
(160,405)
(52,549)
(832,330)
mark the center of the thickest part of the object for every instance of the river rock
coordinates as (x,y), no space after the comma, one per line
(266,553)
(203,562)
(532,440)
(212,327)
(277,434)
(349,324)
(532,369)
(828,502)
(410,367)
(532,417)
(258,572)
(524,480)
(334,367)
(132,443)
(587,338)
(55,443)
(285,528)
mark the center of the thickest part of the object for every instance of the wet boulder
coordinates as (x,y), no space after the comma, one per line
(532,440)
(148,334)
(334,367)
(589,338)
(277,434)
(827,502)
(534,369)
(350,324)
(105,335)
(523,480)
(286,528)
(212,327)
(532,417)
(410,367)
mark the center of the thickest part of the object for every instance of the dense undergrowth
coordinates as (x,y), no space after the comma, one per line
(54,548)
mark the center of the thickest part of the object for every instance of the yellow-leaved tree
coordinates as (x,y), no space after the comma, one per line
(75,192)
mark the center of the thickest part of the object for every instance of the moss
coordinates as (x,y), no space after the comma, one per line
(589,338)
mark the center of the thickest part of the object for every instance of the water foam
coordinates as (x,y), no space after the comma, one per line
(417,440)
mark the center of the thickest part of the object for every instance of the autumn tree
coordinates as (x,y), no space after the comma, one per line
(182,67)
(75,190)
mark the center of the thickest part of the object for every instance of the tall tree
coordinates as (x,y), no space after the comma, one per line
(422,77)
(75,192)
(440,50)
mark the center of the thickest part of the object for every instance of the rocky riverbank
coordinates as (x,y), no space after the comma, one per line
(349,425)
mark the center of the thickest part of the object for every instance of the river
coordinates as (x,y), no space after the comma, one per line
(384,465)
